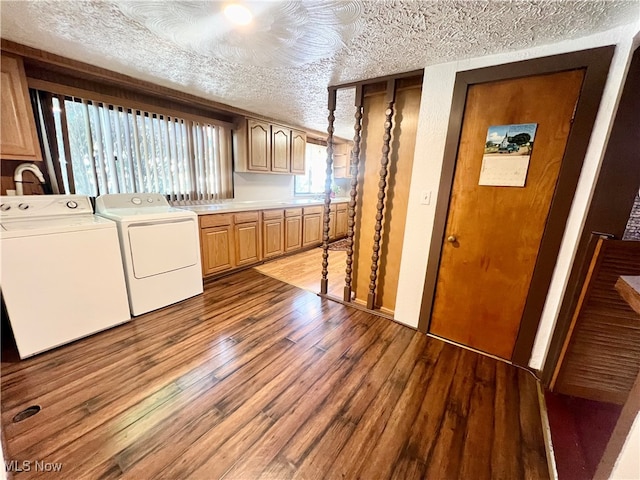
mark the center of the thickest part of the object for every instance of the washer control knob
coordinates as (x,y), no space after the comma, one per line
(150,199)
(23,206)
(72,204)
(136,200)
(5,206)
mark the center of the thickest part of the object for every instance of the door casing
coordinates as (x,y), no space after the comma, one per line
(596,63)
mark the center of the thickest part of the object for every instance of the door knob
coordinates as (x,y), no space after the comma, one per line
(452,239)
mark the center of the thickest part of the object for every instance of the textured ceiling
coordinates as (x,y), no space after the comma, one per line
(281,65)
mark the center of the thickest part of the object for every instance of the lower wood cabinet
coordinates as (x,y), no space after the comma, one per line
(332,225)
(234,240)
(247,238)
(216,239)
(292,229)
(342,220)
(311,225)
(273,233)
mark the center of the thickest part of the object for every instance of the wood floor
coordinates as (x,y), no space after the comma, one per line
(259,379)
(304,270)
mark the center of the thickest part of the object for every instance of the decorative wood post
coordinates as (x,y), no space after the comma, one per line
(390,98)
(327,193)
(354,162)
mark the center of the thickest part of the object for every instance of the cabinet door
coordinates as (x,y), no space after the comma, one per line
(332,225)
(247,243)
(311,229)
(259,138)
(293,233)
(217,249)
(280,149)
(341,221)
(18,137)
(273,237)
(298,149)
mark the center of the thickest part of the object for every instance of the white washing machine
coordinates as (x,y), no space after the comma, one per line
(61,274)
(160,249)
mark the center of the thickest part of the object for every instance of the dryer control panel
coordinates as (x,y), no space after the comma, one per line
(130,200)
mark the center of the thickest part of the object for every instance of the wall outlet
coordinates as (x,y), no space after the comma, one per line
(425,197)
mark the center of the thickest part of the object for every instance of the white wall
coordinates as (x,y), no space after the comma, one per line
(437,93)
(627,466)
(262,186)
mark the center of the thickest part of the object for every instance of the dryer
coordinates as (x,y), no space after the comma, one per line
(61,275)
(160,248)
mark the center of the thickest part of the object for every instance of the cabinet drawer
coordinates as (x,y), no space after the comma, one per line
(312,210)
(293,212)
(271,214)
(245,217)
(214,220)
(341,207)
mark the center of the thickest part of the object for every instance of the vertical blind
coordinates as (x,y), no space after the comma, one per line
(102,148)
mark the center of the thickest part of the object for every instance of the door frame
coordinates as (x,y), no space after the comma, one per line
(596,63)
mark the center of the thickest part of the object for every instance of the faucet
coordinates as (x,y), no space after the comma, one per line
(17,175)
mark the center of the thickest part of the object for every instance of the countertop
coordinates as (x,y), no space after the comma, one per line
(230,206)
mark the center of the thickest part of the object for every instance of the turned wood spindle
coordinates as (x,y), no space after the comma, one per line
(390,98)
(327,193)
(351,214)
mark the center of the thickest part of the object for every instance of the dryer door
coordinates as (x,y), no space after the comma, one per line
(163,247)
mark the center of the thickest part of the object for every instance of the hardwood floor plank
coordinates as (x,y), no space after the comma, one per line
(534,457)
(259,379)
(445,460)
(478,442)
(506,450)
(352,457)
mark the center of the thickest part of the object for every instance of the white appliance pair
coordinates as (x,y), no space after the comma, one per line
(66,273)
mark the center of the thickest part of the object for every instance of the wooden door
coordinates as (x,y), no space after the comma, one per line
(298,151)
(273,233)
(259,139)
(293,233)
(217,249)
(280,149)
(493,233)
(18,137)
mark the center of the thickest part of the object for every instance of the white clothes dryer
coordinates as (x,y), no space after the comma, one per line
(160,248)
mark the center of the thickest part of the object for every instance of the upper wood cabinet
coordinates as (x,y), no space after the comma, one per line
(280,149)
(259,142)
(298,150)
(18,137)
(264,147)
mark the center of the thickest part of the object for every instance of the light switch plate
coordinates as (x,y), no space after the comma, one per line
(425,197)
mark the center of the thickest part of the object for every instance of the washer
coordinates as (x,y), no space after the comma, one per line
(160,249)
(61,273)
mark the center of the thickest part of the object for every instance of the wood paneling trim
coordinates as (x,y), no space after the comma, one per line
(611,204)
(67,66)
(602,359)
(136,102)
(596,62)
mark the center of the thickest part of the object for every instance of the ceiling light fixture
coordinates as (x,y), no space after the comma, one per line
(238,14)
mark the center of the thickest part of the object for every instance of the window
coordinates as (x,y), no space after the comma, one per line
(103,148)
(313,182)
